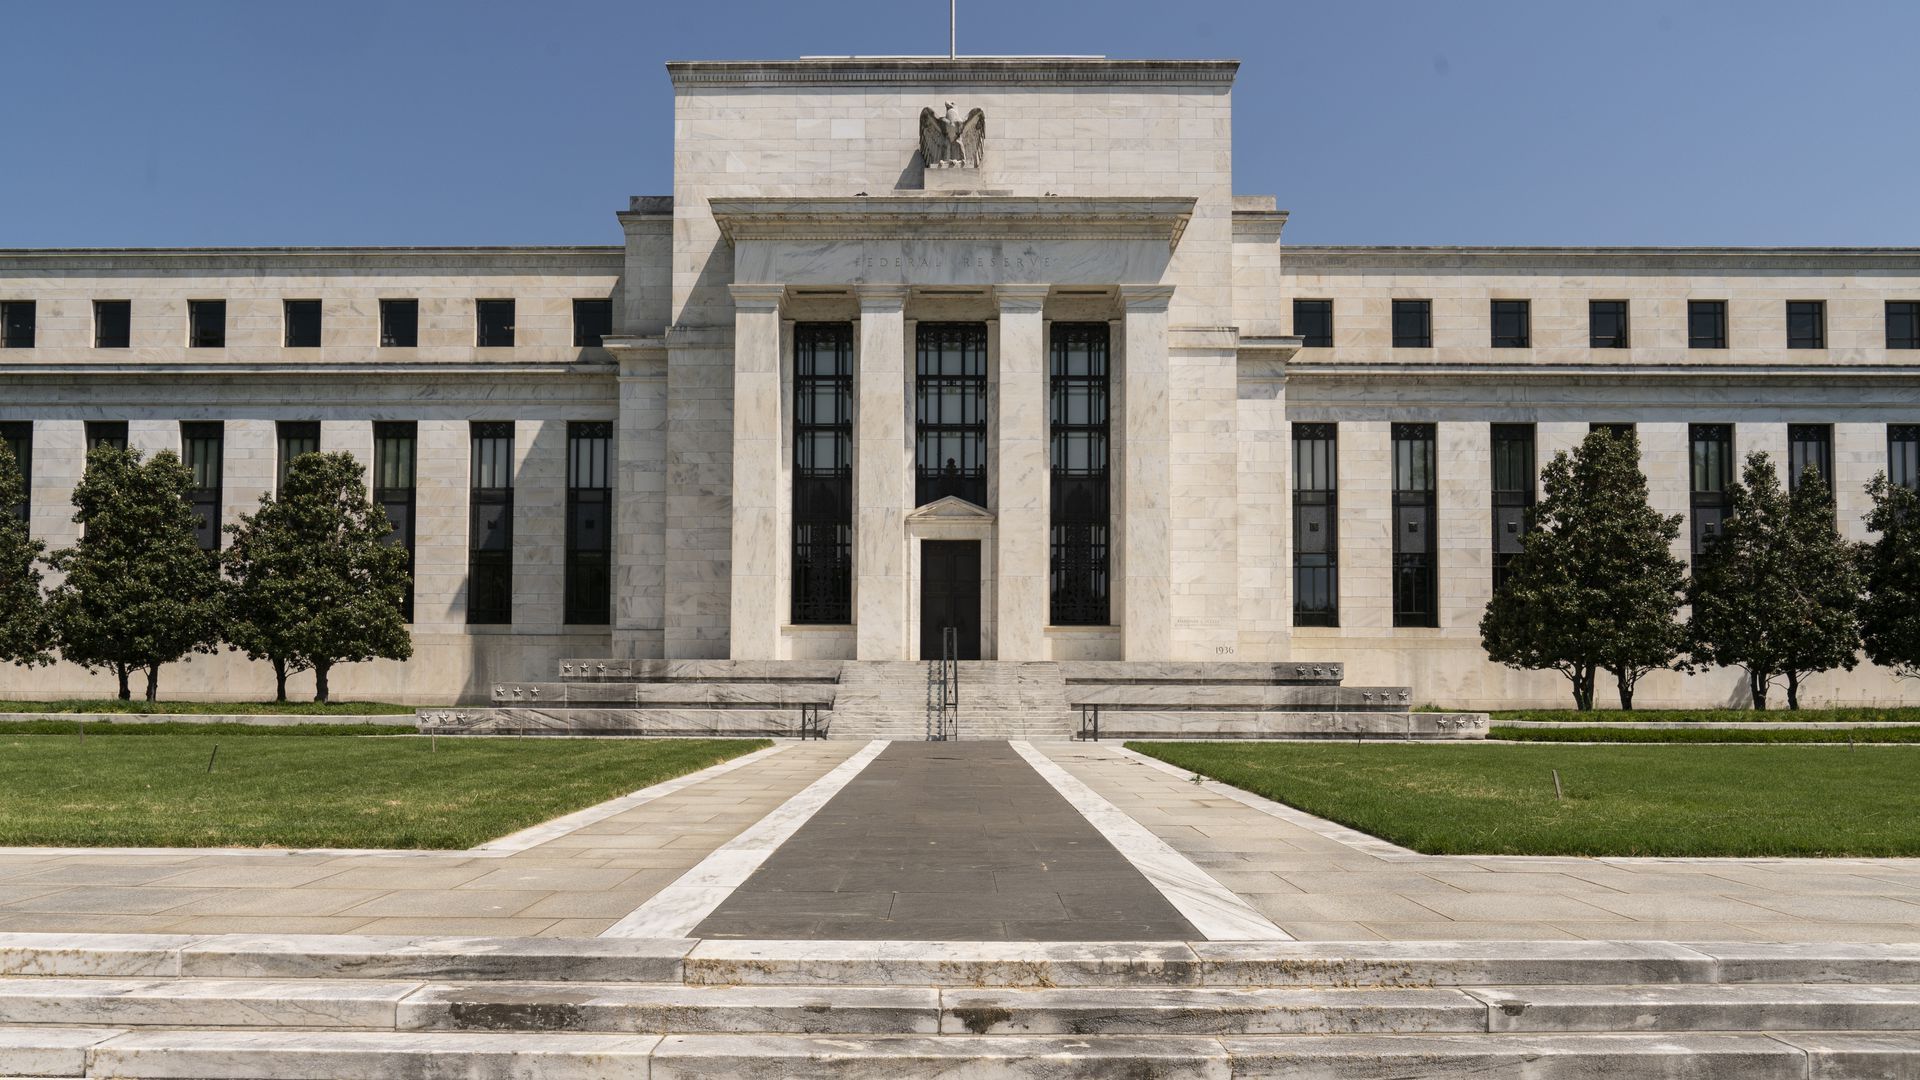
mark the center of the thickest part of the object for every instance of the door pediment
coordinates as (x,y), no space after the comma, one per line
(950,518)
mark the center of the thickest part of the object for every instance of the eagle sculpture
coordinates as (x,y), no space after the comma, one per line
(948,142)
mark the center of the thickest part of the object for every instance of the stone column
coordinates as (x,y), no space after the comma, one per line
(1146,629)
(882,481)
(1021,465)
(753,621)
(539,525)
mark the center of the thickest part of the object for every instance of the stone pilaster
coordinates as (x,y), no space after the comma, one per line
(882,481)
(640,502)
(1146,629)
(59,460)
(1022,476)
(250,460)
(152,436)
(539,525)
(754,621)
(442,482)
(349,437)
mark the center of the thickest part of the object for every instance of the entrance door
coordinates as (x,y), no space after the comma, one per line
(950,595)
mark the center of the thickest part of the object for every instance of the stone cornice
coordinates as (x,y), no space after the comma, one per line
(953,217)
(953,72)
(1612,374)
(607,259)
(1654,259)
(426,370)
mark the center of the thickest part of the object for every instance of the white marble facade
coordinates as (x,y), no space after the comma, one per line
(1105,196)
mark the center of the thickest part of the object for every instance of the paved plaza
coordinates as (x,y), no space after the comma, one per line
(959,840)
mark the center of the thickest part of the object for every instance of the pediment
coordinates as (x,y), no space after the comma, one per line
(951,508)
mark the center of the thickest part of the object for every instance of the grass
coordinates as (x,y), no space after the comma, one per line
(92,728)
(274,789)
(1909,715)
(1620,800)
(202,708)
(1706,735)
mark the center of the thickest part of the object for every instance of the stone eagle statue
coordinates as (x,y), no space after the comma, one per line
(948,142)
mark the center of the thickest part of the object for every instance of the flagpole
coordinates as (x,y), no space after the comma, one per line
(953,30)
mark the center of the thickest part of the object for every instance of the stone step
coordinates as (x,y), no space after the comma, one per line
(321,1055)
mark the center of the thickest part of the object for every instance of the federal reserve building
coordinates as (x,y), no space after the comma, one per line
(977,355)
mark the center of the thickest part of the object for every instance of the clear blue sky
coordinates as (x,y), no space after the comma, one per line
(171,122)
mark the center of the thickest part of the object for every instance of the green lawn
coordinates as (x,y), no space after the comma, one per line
(1909,715)
(271,789)
(1706,735)
(202,708)
(1620,800)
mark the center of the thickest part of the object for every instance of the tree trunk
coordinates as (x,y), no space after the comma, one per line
(1757,686)
(1626,689)
(153,682)
(123,671)
(1793,690)
(320,681)
(1583,688)
(279,680)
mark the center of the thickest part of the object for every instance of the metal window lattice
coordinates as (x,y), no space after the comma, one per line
(1316,549)
(1080,557)
(950,412)
(1415,581)
(822,575)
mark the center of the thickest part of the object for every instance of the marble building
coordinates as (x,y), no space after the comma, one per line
(981,344)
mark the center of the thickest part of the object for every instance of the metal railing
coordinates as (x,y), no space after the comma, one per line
(812,724)
(1090,723)
(943,689)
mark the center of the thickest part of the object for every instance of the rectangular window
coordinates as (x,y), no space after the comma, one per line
(950,412)
(302,323)
(1313,321)
(16,324)
(592,322)
(112,324)
(1316,525)
(399,324)
(1513,483)
(589,597)
(1512,324)
(1810,446)
(490,525)
(1711,471)
(296,437)
(395,450)
(822,473)
(493,324)
(1607,324)
(1903,324)
(1413,324)
(1903,455)
(202,447)
(1706,324)
(206,324)
(1415,580)
(1080,530)
(107,433)
(18,435)
(1806,324)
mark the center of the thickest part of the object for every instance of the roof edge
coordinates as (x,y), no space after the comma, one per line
(944,71)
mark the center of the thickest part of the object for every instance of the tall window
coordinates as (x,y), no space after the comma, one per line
(1711,469)
(16,324)
(1413,324)
(303,324)
(950,411)
(1706,324)
(1903,324)
(1903,455)
(1078,569)
(1810,446)
(112,324)
(1607,324)
(1415,580)
(592,322)
(589,586)
(206,324)
(1316,529)
(1513,477)
(1313,321)
(399,324)
(490,529)
(1806,324)
(107,433)
(1512,324)
(395,445)
(296,437)
(822,473)
(493,324)
(202,447)
(18,435)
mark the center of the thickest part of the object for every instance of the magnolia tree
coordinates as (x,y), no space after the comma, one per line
(1596,586)
(25,636)
(1890,611)
(1777,592)
(313,581)
(138,590)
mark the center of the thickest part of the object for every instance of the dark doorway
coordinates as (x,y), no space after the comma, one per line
(950,595)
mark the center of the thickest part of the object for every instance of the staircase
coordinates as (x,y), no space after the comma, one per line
(878,699)
(265,1007)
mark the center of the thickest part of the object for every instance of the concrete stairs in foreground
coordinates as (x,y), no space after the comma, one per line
(337,1007)
(998,700)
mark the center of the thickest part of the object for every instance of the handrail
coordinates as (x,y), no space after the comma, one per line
(943,689)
